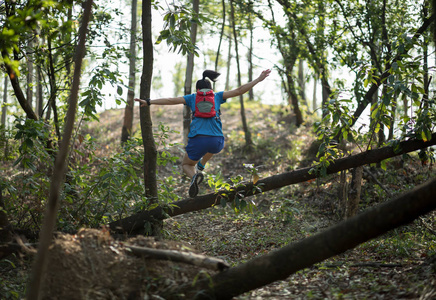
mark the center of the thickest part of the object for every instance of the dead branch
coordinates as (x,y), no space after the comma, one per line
(183,257)
(368,172)
(376,265)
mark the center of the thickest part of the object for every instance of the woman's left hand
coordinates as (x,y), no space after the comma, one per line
(264,75)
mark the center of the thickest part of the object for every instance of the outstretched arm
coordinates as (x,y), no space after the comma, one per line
(246,87)
(162,101)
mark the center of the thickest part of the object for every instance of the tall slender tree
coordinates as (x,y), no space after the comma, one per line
(128,111)
(223,26)
(46,233)
(189,73)
(150,152)
(248,140)
(5,99)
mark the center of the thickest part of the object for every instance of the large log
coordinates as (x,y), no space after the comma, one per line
(138,220)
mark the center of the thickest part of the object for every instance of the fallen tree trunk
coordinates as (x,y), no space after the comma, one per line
(137,221)
(279,264)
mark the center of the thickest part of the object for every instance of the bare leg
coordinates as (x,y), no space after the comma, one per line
(188,166)
(206,158)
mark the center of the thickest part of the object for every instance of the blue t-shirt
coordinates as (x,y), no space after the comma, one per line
(205,126)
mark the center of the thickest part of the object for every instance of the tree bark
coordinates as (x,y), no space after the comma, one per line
(58,176)
(137,221)
(126,131)
(314,100)
(218,51)
(289,51)
(248,140)
(188,76)
(294,99)
(18,91)
(29,75)
(302,83)
(150,152)
(5,100)
(39,94)
(53,88)
(342,193)
(5,234)
(279,264)
(250,51)
(352,203)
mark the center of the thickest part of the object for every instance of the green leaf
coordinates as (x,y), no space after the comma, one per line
(424,136)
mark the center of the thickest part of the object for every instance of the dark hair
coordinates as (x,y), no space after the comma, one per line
(205,83)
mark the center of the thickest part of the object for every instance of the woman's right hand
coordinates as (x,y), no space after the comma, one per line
(142,102)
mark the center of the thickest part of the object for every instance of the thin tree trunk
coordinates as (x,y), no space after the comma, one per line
(48,226)
(150,152)
(188,76)
(425,62)
(218,51)
(314,100)
(250,54)
(17,89)
(229,59)
(342,193)
(393,115)
(248,141)
(126,131)
(39,94)
(353,200)
(5,234)
(5,100)
(29,76)
(290,57)
(302,83)
(53,89)
(294,99)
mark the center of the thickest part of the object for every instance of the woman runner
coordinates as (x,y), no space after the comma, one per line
(205,138)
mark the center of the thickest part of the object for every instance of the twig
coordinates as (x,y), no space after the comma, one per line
(377,182)
(376,265)
(365,264)
(184,257)
(424,223)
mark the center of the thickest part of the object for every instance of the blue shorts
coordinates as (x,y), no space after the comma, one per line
(199,145)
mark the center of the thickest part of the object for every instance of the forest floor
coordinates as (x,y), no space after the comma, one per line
(398,265)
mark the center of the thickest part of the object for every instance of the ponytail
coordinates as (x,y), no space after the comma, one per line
(205,83)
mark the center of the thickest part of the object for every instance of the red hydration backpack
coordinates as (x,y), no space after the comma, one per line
(205,104)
